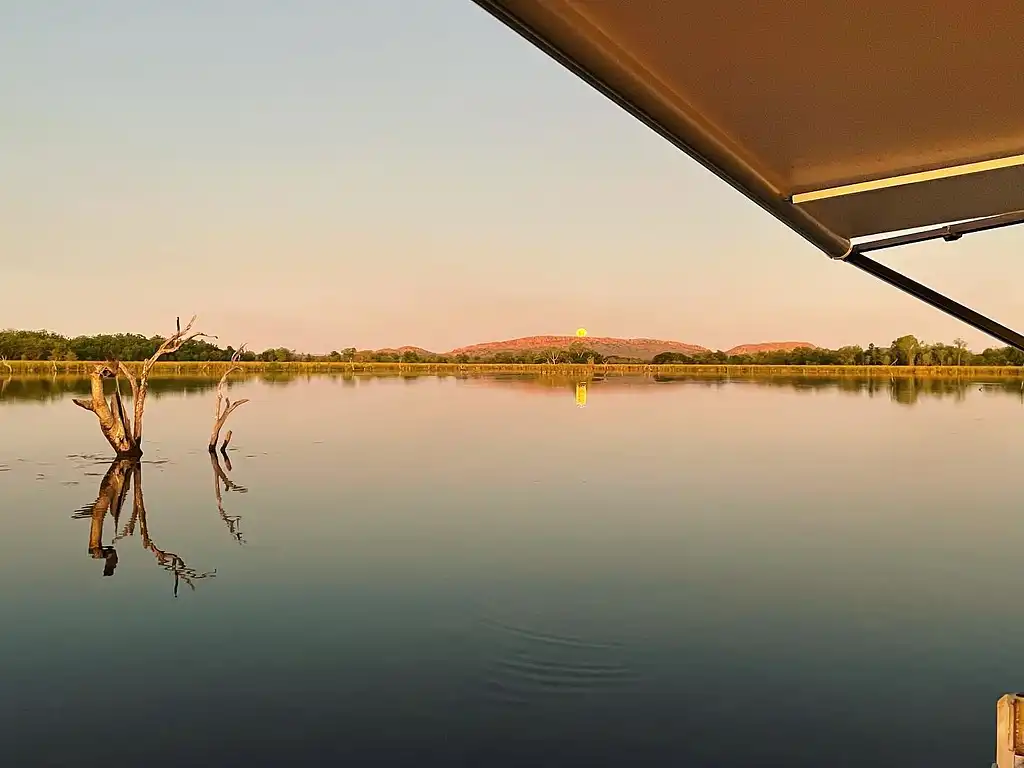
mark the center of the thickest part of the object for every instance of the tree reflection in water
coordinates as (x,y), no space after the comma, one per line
(123,476)
(220,476)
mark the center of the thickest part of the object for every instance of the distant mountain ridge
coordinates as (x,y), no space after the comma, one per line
(769,346)
(608,346)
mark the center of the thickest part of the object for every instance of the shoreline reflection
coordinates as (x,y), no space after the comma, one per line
(901,389)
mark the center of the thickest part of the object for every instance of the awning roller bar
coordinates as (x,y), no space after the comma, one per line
(949,233)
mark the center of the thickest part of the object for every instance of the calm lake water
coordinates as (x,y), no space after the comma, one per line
(442,571)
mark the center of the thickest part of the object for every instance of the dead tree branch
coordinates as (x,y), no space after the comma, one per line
(111,416)
(140,386)
(10,375)
(224,406)
(124,431)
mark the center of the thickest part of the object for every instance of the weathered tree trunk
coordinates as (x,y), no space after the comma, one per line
(112,418)
(123,432)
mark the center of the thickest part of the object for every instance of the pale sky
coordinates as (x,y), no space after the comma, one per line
(319,174)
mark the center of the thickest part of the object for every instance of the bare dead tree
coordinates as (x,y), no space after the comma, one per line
(7,378)
(220,476)
(224,406)
(122,431)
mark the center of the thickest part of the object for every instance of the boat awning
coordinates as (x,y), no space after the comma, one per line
(844,118)
(849,120)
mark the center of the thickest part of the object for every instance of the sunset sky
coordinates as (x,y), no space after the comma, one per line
(322,174)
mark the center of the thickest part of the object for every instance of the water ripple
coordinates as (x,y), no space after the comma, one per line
(530,664)
(546,637)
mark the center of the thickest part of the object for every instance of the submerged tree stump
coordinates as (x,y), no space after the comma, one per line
(224,406)
(121,430)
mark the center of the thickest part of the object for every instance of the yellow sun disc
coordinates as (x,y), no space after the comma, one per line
(581,332)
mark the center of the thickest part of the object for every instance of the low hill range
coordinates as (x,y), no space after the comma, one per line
(770,346)
(407,348)
(608,346)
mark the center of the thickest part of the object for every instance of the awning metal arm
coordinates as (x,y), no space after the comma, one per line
(936,299)
(950,232)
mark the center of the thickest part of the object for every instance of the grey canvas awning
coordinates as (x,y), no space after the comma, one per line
(849,120)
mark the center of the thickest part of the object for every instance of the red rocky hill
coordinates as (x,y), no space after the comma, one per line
(643,349)
(640,349)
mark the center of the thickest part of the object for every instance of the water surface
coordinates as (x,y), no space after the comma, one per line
(443,571)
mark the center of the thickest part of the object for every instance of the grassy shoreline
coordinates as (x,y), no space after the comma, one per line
(817,371)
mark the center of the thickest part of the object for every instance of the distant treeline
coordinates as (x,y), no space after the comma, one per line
(906,350)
